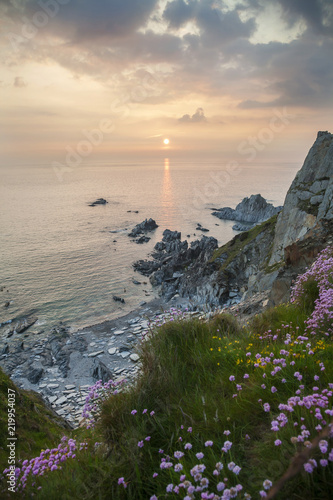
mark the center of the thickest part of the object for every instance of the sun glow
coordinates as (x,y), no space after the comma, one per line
(166,141)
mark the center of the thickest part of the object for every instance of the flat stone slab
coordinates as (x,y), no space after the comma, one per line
(61,400)
(134,357)
(112,351)
(52,386)
(94,354)
(70,386)
(118,332)
(124,354)
(52,399)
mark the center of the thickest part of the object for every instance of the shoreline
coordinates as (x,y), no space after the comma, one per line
(62,365)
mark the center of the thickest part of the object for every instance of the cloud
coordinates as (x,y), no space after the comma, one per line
(197,117)
(109,41)
(178,12)
(316,13)
(19,82)
(83,19)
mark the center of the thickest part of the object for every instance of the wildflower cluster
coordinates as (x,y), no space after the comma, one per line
(49,460)
(98,393)
(321,273)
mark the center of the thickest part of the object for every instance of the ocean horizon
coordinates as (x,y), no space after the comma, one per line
(64,260)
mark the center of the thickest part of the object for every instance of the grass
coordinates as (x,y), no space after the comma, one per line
(36,425)
(201,382)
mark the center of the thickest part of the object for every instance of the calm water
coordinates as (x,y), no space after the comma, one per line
(58,256)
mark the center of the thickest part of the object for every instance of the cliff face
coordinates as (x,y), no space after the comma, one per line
(309,198)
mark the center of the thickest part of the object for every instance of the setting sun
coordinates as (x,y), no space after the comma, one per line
(166,141)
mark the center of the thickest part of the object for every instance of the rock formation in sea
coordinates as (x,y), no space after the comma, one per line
(251,210)
(141,229)
(100,201)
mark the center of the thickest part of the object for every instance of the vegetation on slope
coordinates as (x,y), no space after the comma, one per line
(36,425)
(219,412)
(226,253)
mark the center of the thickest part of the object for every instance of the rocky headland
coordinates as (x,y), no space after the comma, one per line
(248,212)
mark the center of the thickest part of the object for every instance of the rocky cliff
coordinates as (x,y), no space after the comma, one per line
(309,198)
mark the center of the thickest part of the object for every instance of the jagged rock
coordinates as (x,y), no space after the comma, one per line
(309,198)
(21,326)
(218,281)
(253,209)
(146,267)
(7,303)
(142,239)
(143,227)
(172,256)
(169,235)
(61,350)
(99,201)
(101,372)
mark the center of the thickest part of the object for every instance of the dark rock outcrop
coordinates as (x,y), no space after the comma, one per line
(118,299)
(99,201)
(171,257)
(144,227)
(225,278)
(34,373)
(62,345)
(21,325)
(253,209)
(101,372)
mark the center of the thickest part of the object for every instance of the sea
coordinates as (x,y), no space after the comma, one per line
(64,260)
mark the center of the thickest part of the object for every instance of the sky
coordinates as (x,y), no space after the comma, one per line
(103,80)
